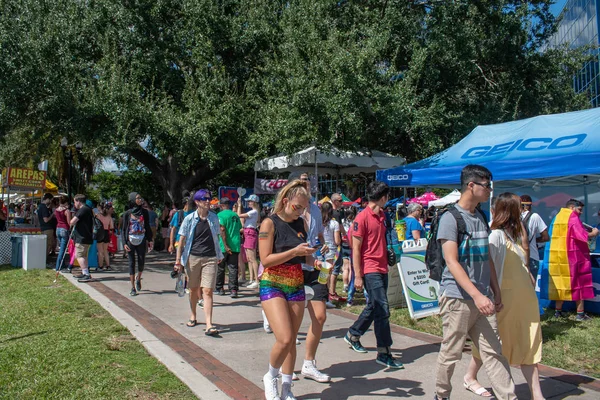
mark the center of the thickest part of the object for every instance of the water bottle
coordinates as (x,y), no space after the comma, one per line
(180,285)
(318,254)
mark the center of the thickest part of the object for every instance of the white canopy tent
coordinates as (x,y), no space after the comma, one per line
(448,199)
(332,161)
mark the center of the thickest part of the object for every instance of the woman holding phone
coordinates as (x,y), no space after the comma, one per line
(283,249)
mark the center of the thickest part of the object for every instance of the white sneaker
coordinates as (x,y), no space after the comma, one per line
(329,304)
(297,342)
(266,325)
(286,392)
(253,285)
(310,371)
(271,389)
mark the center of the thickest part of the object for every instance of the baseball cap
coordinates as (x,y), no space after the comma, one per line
(253,198)
(224,200)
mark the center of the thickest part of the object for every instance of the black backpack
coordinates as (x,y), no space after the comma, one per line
(99,233)
(434,258)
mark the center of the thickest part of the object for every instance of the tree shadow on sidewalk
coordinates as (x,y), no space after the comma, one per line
(551,388)
(355,382)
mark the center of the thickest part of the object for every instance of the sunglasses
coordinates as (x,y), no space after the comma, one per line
(205,199)
(484,185)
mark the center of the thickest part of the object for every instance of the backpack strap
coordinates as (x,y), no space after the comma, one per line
(526,224)
(461,225)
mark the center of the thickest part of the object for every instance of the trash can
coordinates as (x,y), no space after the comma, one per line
(16,258)
(34,252)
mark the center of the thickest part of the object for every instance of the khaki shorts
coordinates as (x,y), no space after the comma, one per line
(201,272)
(81,250)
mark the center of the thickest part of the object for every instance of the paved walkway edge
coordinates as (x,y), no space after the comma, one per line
(203,388)
(544,370)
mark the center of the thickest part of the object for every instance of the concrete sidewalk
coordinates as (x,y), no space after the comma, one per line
(232,365)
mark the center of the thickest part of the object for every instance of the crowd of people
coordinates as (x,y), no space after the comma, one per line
(487,289)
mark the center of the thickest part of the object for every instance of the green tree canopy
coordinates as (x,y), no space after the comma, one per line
(198,90)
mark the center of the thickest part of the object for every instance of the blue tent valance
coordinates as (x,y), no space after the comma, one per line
(561,148)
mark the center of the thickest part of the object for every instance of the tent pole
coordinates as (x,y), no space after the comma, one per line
(585,198)
(316,175)
(491,197)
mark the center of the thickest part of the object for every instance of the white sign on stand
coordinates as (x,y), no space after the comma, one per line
(420,291)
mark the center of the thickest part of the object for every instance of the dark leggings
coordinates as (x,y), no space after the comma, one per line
(140,250)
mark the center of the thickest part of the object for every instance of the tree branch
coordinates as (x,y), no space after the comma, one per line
(489,81)
(145,158)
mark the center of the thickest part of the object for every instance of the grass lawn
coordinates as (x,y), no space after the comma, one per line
(568,344)
(57,343)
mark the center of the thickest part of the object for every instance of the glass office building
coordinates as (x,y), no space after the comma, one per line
(579,27)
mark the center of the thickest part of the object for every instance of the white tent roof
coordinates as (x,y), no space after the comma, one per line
(332,160)
(448,199)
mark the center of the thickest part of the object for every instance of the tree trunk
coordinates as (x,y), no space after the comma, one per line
(168,175)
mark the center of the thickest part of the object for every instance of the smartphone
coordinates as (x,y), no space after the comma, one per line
(317,246)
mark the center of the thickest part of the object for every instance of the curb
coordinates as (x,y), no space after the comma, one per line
(202,387)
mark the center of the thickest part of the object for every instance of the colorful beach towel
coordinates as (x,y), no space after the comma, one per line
(566,271)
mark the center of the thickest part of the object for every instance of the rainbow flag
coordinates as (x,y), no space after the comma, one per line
(566,271)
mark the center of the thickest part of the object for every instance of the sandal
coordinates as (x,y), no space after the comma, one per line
(481,391)
(212,331)
(192,323)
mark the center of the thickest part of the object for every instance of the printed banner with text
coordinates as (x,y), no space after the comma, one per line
(420,291)
(25,178)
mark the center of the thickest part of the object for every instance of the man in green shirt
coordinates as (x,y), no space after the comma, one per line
(230,245)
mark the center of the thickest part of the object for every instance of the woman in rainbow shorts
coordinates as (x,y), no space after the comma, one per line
(283,248)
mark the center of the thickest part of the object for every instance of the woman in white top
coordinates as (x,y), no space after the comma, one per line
(331,232)
(251,221)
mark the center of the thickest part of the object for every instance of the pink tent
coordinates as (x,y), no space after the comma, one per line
(424,199)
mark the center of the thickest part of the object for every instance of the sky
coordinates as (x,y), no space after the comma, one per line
(558,6)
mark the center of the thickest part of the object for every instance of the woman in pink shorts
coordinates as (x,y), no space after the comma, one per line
(251,220)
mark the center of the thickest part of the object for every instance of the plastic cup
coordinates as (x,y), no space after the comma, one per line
(324,272)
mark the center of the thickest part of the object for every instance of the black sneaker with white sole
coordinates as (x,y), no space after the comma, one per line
(138,284)
(84,278)
(79,276)
(133,292)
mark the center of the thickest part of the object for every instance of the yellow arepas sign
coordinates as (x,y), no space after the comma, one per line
(25,178)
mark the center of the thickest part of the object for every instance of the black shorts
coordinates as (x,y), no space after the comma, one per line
(311,279)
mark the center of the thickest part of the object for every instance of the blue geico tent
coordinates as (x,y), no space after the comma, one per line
(551,150)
